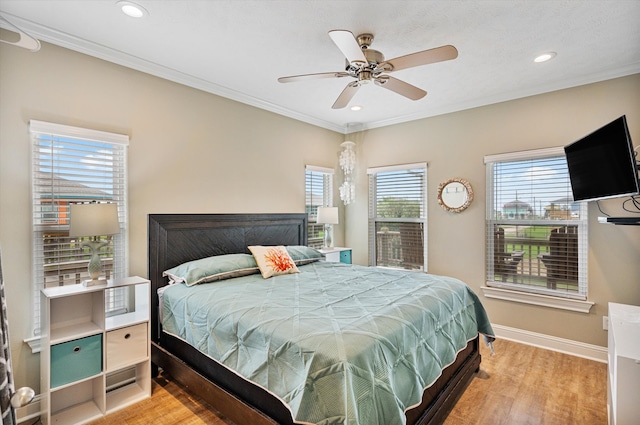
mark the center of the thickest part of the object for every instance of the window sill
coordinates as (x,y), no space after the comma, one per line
(34,344)
(536,299)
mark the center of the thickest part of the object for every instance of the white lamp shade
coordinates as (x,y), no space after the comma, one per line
(327,215)
(94,220)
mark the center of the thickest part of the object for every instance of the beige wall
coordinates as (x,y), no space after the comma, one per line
(194,152)
(454,145)
(189,152)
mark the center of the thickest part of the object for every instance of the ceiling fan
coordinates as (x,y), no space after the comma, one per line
(366,65)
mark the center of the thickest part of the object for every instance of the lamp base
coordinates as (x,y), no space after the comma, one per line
(328,242)
(94,282)
(95,264)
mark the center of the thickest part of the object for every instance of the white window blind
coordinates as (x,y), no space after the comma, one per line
(397,216)
(536,234)
(74,165)
(318,193)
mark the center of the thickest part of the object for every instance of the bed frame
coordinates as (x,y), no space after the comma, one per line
(177,238)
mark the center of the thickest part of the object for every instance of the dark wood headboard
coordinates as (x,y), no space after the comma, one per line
(177,238)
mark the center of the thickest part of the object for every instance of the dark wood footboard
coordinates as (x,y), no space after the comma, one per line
(439,399)
(229,391)
(197,384)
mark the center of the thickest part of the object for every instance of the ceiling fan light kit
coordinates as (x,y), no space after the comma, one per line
(367,65)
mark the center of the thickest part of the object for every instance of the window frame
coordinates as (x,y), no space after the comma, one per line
(109,170)
(526,293)
(326,175)
(374,219)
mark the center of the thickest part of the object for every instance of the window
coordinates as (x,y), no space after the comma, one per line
(397,216)
(319,193)
(72,165)
(536,234)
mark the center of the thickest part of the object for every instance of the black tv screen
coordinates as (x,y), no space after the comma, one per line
(602,164)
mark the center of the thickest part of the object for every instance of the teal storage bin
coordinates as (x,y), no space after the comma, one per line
(345,256)
(75,360)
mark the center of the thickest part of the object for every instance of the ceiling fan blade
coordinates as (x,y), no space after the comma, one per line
(438,54)
(296,78)
(346,95)
(400,87)
(348,45)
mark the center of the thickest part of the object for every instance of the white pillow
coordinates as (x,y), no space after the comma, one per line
(273,260)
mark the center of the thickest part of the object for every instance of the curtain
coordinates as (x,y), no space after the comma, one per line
(6,372)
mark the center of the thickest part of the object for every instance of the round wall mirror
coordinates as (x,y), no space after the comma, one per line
(455,195)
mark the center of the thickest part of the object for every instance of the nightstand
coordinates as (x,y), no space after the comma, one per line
(337,254)
(90,364)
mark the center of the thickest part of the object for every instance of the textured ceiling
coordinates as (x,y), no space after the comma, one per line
(239,48)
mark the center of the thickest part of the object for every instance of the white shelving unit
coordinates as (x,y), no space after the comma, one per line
(92,365)
(623,401)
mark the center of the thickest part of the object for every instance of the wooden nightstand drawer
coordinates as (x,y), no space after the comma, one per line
(75,360)
(126,346)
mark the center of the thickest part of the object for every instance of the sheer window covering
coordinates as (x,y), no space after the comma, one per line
(69,165)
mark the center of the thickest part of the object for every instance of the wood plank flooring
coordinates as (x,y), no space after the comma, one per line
(519,385)
(528,385)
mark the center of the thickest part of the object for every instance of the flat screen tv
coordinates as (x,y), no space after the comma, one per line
(602,164)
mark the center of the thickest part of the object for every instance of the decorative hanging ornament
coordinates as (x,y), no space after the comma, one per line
(348,164)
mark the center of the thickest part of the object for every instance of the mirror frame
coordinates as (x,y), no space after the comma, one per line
(468,189)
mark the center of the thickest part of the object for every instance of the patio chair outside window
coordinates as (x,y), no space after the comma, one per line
(562,260)
(505,263)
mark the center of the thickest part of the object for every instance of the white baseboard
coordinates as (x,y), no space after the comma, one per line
(561,345)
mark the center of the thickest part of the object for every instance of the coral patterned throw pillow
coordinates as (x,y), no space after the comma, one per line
(273,260)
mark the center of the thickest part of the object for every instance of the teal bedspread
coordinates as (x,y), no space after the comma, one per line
(338,344)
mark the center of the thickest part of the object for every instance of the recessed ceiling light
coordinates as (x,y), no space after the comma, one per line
(545,57)
(132,9)
(356,107)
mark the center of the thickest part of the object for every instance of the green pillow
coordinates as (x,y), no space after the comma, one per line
(301,254)
(214,268)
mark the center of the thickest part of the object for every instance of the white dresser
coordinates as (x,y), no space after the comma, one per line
(623,402)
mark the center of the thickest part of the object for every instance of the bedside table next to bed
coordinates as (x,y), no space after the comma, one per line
(337,254)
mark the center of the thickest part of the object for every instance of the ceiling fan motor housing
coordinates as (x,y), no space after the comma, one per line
(374,58)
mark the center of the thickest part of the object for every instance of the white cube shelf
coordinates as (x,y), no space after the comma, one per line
(74,314)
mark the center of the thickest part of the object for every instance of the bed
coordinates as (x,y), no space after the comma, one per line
(178,238)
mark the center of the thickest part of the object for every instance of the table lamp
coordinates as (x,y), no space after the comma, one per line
(94,220)
(327,216)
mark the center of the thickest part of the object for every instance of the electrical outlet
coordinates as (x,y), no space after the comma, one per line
(605,323)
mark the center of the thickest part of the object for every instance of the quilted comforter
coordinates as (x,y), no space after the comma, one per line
(338,344)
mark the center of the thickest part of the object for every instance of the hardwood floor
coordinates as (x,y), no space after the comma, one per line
(519,385)
(528,385)
(169,404)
